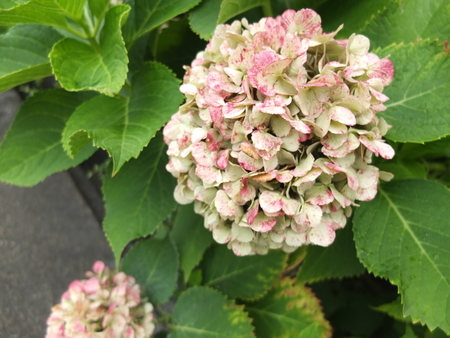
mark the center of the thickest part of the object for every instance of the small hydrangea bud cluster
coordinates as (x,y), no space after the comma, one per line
(279,127)
(106,305)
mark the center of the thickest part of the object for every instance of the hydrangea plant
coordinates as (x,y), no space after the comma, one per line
(283,137)
(107,305)
(276,137)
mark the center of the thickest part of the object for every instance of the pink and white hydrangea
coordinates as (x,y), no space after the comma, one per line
(107,305)
(275,139)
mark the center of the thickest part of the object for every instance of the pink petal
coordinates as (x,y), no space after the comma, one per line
(319,195)
(265,141)
(249,163)
(304,22)
(383,69)
(309,215)
(295,239)
(284,177)
(343,115)
(217,82)
(225,206)
(222,159)
(323,234)
(252,212)
(378,147)
(262,223)
(270,201)
(240,248)
(209,175)
(304,166)
(221,234)
(290,206)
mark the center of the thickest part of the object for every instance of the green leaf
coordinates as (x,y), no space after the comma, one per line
(353,14)
(201,312)
(409,333)
(419,100)
(225,271)
(440,148)
(24,54)
(203,18)
(409,21)
(8,4)
(288,311)
(312,330)
(124,126)
(231,8)
(403,235)
(404,169)
(45,12)
(147,15)
(190,237)
(394,309)
(103,67)
(71,8)
(336,261)
(178,36)
(154,264)
(98,7)
(32,148)
(139,197)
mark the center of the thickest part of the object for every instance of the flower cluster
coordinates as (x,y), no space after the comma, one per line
(277,132)
(106,305)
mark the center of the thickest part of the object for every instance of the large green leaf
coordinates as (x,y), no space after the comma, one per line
(139,197)
(201,312)
(225,271)
(403,235)
(101,67)
(408,21)
(32,148)
(418,108)
(8,4)
(394,309)
(154,264)
(71,8)
(147,15)
(190,237)
(45,12)
(231,8)
(124,125)
(353,14)
(287,311)
(440,148)
(24,54)
(404,169)
(203,18)
(98,7)
(178,36)
(336,261)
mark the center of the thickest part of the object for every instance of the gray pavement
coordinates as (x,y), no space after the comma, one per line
(48,237)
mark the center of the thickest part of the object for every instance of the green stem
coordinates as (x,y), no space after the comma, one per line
(267,9)
(90,34)
(75,32)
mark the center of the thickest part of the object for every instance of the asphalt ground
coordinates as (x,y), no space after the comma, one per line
(49,236)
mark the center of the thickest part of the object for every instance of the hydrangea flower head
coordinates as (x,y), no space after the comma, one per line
(107,305)
(275,139)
